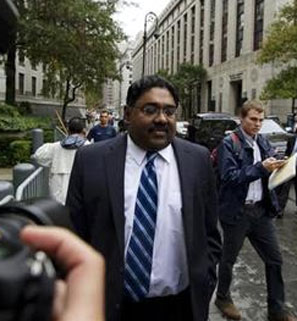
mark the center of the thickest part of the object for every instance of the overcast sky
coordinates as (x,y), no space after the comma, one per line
(131,18)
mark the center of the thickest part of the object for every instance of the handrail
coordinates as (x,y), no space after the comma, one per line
(6,199)
(32,186)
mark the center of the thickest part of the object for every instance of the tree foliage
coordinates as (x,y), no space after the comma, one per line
(75,40)
(280,48)
(185,80)
(284,85)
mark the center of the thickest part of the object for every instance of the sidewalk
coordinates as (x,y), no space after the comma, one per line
(249,286)
(5,174)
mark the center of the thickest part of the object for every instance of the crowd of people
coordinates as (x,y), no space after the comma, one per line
(147,202)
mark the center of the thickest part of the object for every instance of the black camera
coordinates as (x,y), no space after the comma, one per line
(27,277)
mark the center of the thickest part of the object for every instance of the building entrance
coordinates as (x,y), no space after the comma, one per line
(235,96)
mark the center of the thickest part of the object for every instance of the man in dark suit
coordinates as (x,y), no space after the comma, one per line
(147,202)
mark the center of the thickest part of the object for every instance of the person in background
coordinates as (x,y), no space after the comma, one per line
(59,158)
(80,296)
(111,119)
(146,200)
(103,130)
(284,189)
(247,209)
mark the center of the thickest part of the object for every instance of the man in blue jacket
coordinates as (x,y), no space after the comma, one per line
(103,130)
(247,209)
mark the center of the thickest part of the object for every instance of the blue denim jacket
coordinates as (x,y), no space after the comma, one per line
(236,170)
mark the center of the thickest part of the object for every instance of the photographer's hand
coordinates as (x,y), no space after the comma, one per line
(81,295)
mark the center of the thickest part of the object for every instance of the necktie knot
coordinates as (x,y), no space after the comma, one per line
(150,157)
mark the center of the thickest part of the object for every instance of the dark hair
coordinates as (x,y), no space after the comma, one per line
(104,111)
(139,87)
(76,125)
(251,104)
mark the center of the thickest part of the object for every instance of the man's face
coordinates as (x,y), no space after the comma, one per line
(152,121)
(252,122)
(104,117)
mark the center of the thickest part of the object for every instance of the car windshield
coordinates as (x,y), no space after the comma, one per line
(270,126)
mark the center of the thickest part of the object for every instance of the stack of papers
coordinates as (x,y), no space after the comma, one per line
(283,174)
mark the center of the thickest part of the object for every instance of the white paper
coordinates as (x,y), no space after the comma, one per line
(283,174)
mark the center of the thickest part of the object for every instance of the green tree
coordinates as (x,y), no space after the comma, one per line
(75,40)
(187,78)
(280,48)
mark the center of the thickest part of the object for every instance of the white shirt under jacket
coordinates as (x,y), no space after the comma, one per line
(169,268)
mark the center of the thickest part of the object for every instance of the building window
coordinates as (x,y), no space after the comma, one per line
(259,22)
(151,60)
(192,49)
(211,31)
(34,86)
(21,84)
(239,27)
(155,58)
(185,36)
(172,48)
(211,54)
(201,33)
(178,44)
(167,50)
(193,11)
(224,31)
(159,54)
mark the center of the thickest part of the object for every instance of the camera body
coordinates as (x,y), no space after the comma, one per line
(27,277)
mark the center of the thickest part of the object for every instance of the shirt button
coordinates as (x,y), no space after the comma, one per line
(117,306)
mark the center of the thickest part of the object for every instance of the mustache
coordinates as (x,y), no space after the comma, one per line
(158,127)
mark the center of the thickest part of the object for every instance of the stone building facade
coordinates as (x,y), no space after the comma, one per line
(222,35)
(115,91)
(29,81)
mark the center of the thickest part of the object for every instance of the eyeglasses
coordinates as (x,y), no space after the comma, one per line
(154,110)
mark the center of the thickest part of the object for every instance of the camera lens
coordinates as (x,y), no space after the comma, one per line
(9,235)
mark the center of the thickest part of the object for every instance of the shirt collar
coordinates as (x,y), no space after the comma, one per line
(248,137)
(138,154)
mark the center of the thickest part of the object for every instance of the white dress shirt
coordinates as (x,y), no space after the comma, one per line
(255,191)
(169,273)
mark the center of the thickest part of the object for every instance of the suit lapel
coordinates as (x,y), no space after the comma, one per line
(184,161)
(115,165)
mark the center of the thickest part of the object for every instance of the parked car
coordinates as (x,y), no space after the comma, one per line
(182,128)
(275,118)
(208,129)
(276,135)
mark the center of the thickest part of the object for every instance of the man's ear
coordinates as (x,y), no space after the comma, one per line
(127,114)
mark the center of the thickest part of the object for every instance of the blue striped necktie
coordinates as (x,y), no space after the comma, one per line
(140,250)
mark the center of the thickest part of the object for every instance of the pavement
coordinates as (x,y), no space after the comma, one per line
(249,287)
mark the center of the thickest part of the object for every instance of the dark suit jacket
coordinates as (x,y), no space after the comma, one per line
(96,202)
